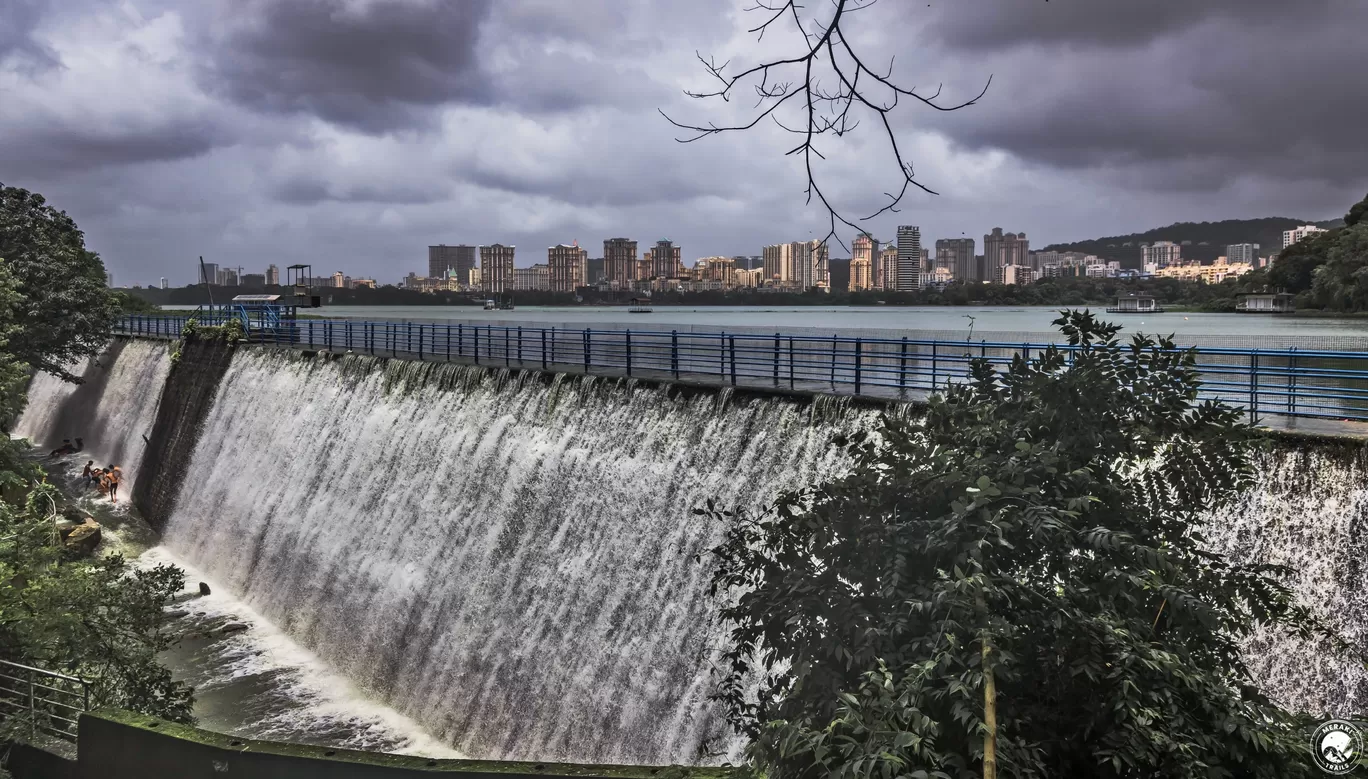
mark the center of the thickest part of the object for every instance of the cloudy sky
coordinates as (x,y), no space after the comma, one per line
(353,133)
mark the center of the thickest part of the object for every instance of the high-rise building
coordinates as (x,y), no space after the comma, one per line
(665,260)
(1001,249)
(568,267)
(109,279)
(339,279)
(227,277)
(957,255)
(864,250)
(1243,252)
(209,273)
(886,268)
(534,279)
(908,272)
(777,263)
(496,268)
(253,280)
(163,282)
(619,260)
(1292,236)
(272,276)
(1162,254)
(457,261)
(1015,274)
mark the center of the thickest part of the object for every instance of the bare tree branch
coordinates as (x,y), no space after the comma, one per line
(830,109)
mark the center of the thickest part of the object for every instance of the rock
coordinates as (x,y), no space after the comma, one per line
(201,613)
(204,588)
(65,526)
(232,627)
(177,613)
(83,538)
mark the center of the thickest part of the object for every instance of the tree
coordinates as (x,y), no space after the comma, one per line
(1029,551)
(1341,282)
(1294,269)
(827,110)
(1357,212)
(67,311)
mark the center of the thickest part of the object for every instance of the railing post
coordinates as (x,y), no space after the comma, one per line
(408,335)
(790,362)
(349,337)
(776,359)
(627,345)
(1292,381)
(722,354)
(32,710)
(520,345)
(447,338)
(587,347)
(674,353)
(460,340)
(902,367)
(731,347)
(420,342)
(476,335)
(543,337)
(834,347)
(858,350)
(1254,387)
(933,366)
(507,335)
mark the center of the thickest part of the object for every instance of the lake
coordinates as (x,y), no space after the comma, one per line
(1000,322)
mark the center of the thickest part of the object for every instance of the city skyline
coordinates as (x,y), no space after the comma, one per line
(166,132)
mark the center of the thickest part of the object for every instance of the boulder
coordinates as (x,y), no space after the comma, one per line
(83,538)
(232,627)
(203,588)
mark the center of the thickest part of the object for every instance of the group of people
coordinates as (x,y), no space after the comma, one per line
(106,480)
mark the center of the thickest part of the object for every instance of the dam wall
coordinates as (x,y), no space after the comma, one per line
(509,557)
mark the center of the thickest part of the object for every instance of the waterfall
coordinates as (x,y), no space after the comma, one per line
(1309,512)
(111,410)
(506,558)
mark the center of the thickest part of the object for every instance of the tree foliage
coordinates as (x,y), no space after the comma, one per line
(1048,516)
(67,311)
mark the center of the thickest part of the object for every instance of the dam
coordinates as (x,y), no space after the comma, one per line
(501,562)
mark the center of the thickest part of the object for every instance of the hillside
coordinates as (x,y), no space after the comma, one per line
(1208,239)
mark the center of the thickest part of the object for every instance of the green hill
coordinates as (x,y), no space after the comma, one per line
(1203,241)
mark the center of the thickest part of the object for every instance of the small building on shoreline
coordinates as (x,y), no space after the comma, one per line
(1266,303)
(1136,304)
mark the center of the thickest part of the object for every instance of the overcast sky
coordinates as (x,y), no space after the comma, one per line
(353,133)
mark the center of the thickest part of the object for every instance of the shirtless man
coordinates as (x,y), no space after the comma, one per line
(115,475)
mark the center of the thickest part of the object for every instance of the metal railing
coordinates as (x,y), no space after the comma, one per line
(35,701)
(1288,383)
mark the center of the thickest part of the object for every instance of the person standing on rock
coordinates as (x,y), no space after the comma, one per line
(89,473)
(114,476)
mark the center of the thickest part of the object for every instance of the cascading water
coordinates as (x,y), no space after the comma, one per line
(504,558)
(112,410)
(1309,513)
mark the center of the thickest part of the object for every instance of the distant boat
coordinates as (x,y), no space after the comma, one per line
(489,305)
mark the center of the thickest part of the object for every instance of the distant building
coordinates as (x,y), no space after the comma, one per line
(164,285)
(272,276)
(1243,252)
(1001,249)
(209,273)
(665,260)
(1266,303)
(496,268)
(254,280)
(534,279)
(800,265)
(838,273)
(109,279)
(909,268)
(864,252)
(227,277)
(1015,274)
(620,260)
(594,270)
(957,255)
(569,266)
(886,269)
(1215,273)
(1292,236)
(1162,254)
(451,261)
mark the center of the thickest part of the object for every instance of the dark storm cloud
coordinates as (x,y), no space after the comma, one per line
(56,149)
(994,25)
(372,66)
(1219,89)
(18,19)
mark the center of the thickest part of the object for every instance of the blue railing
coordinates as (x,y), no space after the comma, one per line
(1288,383)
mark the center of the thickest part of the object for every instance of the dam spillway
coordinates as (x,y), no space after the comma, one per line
(506,557)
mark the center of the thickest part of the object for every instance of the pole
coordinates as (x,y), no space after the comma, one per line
(989,697)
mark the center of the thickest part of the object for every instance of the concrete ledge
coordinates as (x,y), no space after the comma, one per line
(124,745)
(25,761)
